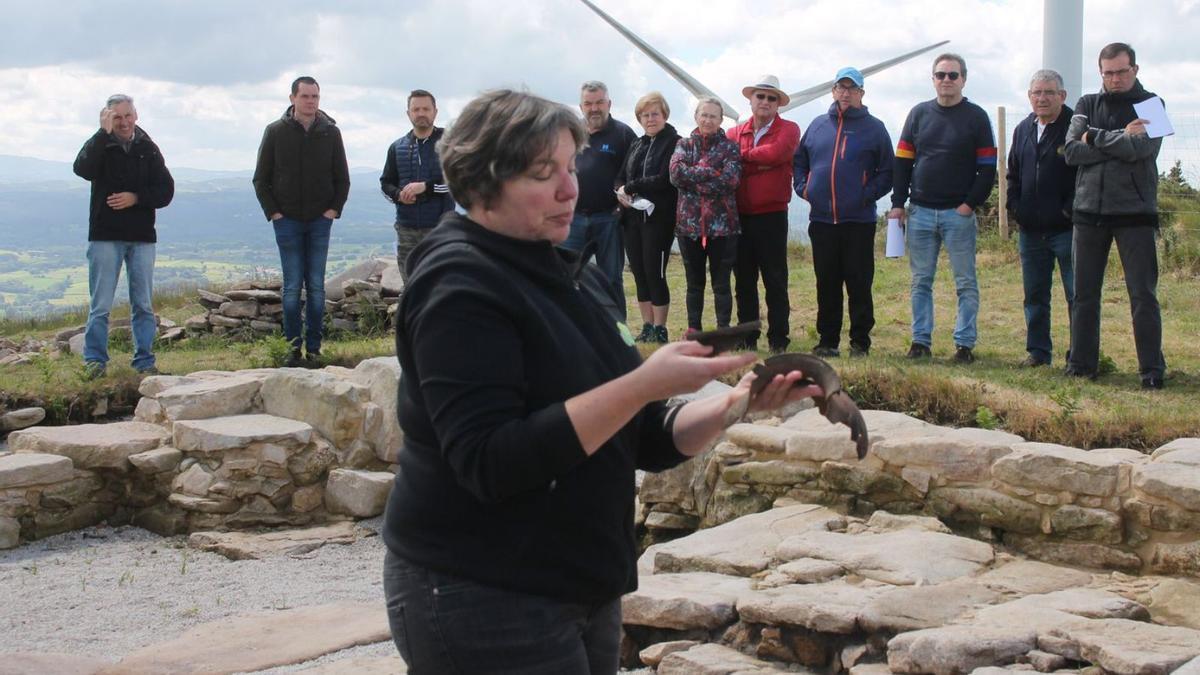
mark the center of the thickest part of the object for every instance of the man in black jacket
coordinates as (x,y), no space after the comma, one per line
(1116,199)
(1041,188)
(129,181)
(302,182)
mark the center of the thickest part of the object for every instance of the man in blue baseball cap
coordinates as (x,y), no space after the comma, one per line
(842,167)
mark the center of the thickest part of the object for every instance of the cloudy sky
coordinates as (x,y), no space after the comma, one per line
(207,76)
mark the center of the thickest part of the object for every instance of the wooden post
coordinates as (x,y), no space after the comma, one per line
(1002,170)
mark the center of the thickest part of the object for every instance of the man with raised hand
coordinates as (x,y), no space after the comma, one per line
(1116,199)
(129,181)
(842,167)
(1041,188)
(596,218)
(412,177)
(302,182)
(767,143)
(945,167)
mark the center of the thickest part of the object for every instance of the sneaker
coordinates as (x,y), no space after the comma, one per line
(149,371)
(1152,383)
(660,335)
(1032,361)
(94,370)
(826,352)
(1072,371)
(964,355)
(647,334)
(919,351)
(859,351)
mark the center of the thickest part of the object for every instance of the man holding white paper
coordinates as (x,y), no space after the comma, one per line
(1116,199)
(842,167)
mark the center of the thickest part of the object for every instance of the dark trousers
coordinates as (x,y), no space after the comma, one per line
(762,249)
(844,255)
(443,624)
(1039,251)
(1139,259)
(648,247)
(717,259)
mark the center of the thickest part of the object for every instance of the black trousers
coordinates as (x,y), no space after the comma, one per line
(762,249)
(717,259)
(844,255)
(1139,258)
(648,247)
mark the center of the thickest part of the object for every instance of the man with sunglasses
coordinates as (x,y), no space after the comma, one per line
(1116,199)
(767,143)
(945,168)
(843,166)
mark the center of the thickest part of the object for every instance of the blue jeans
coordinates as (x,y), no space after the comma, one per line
(1039,251)
(605,230)
(104,271)
(303,248)
(926,232)
(445,624)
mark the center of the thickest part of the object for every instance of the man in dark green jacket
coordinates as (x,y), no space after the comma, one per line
(302,182)
(1116,199)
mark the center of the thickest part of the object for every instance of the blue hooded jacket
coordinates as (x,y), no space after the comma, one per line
(843,166)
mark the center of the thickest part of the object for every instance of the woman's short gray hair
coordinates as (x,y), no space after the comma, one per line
(499,136)
(708,100)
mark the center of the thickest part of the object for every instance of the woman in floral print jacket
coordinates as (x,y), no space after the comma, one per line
(706,167)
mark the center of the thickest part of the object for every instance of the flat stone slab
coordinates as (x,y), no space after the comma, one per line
(742,547)
(362,665)
(956,457)
(684,601)
(157,460)
(1123,646)
(239,431)
(1067,607)
(1175,446)
(260,641)
(256,295)
(1054,468)
(32,468)
(1030,577)
(22,418)
(155,384)
(207,398)
(1164,479)
(905,557)
(760,437)
(28,663)
(91,446)
(714,659)
(958,649)
(331,404)
(916,607)
(362,494)
(832,607)
(250,546)
(1176,602)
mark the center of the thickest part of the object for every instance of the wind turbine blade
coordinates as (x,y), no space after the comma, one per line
(690,83)
(812,93)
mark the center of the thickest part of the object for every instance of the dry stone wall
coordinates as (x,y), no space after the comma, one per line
(1110,508)
(213,451)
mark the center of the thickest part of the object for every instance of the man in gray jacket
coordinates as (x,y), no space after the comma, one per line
(1116,199)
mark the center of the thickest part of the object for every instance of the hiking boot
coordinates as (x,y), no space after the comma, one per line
(647,334)
(312,360)
(94,370)
(1072,371)
(660,335)
(294,360)
(826,352)
(964,355)
(1152,383)
(1032,361)
(150,371)
(859,351)
(919,351)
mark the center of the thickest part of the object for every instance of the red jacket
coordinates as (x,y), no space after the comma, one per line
(766,168)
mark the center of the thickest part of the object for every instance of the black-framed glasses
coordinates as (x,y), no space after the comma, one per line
(941,75)
(766,97)
(852,88)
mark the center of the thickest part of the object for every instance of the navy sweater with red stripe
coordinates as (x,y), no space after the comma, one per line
(946,156)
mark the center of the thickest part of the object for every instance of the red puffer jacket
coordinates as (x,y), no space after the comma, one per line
(766,168)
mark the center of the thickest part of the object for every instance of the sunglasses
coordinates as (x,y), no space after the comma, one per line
(940,75)
(766,97)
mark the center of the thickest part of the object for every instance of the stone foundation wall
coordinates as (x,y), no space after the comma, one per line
(1108,508)
(213,450)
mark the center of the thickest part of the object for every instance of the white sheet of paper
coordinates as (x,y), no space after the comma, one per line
(1155,114)
(895,239)
(643,204)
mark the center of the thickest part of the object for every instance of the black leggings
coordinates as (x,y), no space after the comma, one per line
(648,247)
(720,256)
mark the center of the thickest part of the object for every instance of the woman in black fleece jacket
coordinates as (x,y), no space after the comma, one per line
(526,409)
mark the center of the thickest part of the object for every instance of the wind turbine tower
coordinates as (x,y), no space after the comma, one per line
(1062,43)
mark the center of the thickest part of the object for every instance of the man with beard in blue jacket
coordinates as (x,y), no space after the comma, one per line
(842,167)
